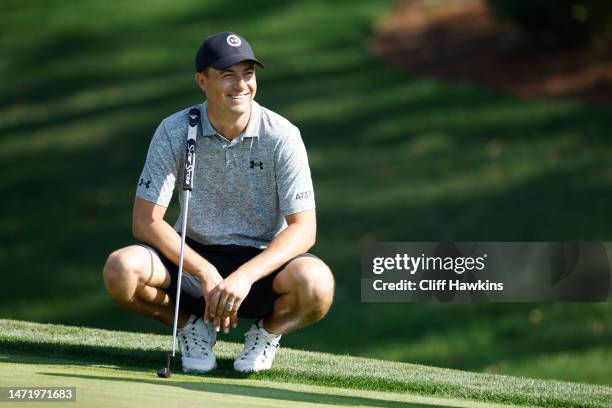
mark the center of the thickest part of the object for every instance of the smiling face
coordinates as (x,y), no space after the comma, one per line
(230,90)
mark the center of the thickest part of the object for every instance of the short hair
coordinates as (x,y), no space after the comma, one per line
(205,71)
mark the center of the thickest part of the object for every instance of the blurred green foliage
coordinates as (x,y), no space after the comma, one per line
(558,23)
(394,158)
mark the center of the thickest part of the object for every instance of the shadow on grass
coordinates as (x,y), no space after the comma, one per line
(261,392)
(224,371)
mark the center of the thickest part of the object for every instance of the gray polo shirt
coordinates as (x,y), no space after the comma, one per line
(243,188)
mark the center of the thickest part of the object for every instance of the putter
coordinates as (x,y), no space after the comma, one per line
(192,133)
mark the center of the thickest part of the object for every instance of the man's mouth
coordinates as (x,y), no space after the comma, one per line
(240,96)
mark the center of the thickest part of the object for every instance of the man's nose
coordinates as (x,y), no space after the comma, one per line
(240,82)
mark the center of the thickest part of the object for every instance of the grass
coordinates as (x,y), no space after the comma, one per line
(394,158)
(38,344)
(101,386)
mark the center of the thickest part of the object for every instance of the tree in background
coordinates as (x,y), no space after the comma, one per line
(557,23)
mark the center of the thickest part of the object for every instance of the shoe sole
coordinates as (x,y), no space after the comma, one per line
(252,370)
(198,370)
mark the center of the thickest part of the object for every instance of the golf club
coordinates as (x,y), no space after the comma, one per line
(192,133)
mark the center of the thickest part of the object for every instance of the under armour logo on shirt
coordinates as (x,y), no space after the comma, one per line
(146,184)
(254,163)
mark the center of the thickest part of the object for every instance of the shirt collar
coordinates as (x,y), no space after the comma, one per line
(252,129)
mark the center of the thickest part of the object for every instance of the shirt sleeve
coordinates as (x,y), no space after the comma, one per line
(293,179)
(158,177)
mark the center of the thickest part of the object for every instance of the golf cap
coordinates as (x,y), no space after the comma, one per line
(223,50)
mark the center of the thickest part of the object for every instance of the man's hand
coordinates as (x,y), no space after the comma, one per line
(209,283)
(226,298)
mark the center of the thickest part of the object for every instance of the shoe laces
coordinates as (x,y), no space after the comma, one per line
(196,339)
(259,343)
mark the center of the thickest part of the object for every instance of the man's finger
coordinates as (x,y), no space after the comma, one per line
(214,301)
(206,313)
(229,307)
(221,305)
(234,320)
(223,298)
(235,309)
(226,324)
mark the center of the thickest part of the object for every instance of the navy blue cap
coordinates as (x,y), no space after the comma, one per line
(223,50)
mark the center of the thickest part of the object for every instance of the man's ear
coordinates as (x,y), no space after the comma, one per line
(202,81)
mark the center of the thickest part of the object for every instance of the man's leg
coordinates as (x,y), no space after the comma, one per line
(135,278)
(306,289)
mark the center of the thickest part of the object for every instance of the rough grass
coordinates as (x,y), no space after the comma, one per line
(147,351)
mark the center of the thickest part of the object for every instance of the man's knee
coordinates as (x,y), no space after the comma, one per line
(315,286)
(121,274)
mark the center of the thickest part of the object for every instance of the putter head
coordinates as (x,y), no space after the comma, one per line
(165,372)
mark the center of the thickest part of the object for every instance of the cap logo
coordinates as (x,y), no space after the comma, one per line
(233,40)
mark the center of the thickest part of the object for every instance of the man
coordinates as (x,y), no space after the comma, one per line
(251,222)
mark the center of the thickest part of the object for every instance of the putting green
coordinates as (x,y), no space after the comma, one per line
(106,385)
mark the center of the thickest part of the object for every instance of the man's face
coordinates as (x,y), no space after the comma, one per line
(231,89)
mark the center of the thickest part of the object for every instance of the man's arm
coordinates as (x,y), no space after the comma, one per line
(297,238)
(149,226)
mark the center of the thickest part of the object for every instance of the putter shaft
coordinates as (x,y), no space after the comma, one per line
(186,196)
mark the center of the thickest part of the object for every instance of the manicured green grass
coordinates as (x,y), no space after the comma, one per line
(394,158)
(108,385)
(33,343)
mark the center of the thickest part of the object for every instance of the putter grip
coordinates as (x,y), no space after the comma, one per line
(192,134)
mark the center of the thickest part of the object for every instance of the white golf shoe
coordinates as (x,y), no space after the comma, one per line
(197,340)
(259,349)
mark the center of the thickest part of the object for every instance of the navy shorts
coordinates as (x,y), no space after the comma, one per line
(226,258)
